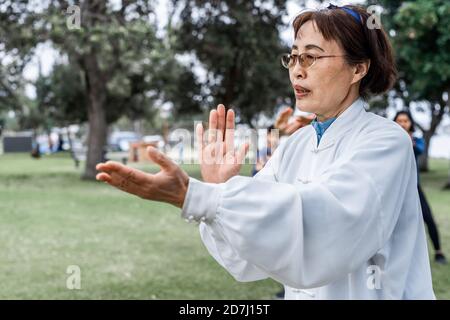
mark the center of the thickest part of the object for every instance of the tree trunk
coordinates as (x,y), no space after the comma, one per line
(423,158)
(71,150)
(230,81)
(98,128)
(436,118)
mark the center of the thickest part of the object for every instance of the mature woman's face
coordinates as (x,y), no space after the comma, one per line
(328,79)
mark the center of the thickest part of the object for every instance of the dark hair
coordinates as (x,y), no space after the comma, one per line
(408,114)
(359,43)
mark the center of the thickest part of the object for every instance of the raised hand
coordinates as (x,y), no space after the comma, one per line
(287,128)
(169,185)
(218,159)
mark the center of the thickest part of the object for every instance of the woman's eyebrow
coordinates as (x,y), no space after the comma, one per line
(313,46)
(308,47)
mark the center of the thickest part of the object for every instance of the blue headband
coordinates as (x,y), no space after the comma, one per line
(348,10)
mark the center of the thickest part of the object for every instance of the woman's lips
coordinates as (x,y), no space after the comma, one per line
(301,95)
(301,92)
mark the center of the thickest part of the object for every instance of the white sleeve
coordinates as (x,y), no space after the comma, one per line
(196,207)
(306,235)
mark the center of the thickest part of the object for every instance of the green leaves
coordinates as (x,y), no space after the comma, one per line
(422,45)
(239,45)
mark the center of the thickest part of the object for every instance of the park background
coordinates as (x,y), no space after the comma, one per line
(82,88)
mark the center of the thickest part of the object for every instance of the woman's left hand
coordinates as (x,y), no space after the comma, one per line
(219,161)
(169,185)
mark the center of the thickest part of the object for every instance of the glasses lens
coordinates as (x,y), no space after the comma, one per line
(285,60)
(306,60)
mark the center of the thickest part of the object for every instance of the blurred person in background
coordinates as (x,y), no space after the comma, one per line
(406,121)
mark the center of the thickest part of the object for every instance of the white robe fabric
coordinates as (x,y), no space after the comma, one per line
(341,220)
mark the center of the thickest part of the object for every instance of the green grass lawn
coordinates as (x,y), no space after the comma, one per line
(126,248)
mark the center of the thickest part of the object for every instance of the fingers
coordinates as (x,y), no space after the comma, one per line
(220,121)
(105,177)
(212,130)
(230,119)
(112,168)
(229,132)
(221,129)
(122,177)
(161,159)
(283,117)
(287,112)
(297,124)
(122,183)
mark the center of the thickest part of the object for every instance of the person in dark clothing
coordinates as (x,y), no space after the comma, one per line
(405,120)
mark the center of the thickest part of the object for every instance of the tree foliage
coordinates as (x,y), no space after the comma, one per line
(421,40)
(238,43)
(116,65)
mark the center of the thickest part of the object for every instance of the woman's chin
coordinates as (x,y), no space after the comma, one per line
(305,105)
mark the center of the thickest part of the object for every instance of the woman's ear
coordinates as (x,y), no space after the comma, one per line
(361,69)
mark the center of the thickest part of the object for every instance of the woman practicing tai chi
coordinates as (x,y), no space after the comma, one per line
(335,213)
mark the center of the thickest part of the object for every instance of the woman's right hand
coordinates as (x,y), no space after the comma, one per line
(168,185)
(218,159)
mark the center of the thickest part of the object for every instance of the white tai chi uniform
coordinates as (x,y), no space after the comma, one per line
(341,220)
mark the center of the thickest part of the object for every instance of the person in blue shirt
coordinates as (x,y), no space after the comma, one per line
(405,120)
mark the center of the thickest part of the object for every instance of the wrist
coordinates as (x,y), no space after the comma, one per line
(182,195)
(202,200)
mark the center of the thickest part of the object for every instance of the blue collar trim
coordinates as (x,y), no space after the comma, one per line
(321,127)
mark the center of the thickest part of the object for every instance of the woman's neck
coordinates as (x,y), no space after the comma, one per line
(338,110)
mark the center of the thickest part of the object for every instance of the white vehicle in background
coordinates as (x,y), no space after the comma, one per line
(121,140)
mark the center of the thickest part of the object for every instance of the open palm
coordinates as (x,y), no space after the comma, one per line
(218,159)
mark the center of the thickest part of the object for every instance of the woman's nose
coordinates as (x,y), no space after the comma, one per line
(298,71)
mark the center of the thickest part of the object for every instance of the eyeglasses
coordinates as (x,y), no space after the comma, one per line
(306,59)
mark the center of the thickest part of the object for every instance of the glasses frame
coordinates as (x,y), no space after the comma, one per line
(297,56)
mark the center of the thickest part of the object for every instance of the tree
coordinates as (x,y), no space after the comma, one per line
(239,45)
(113,54)
(16,50)
(422,44)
